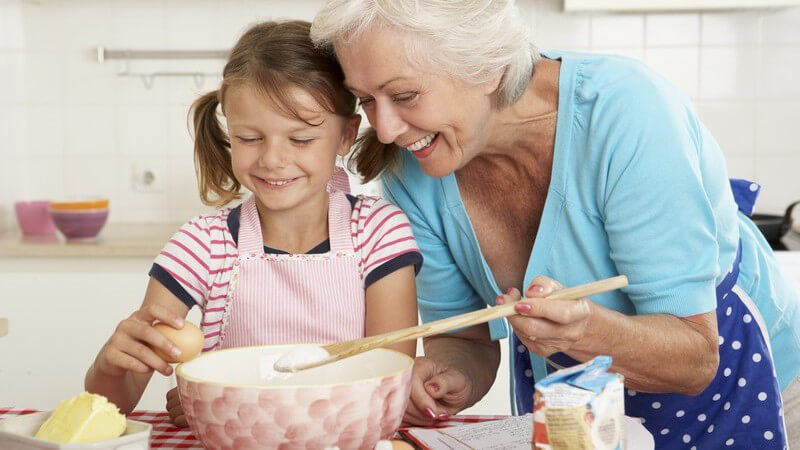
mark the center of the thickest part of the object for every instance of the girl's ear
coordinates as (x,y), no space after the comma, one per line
(350,134)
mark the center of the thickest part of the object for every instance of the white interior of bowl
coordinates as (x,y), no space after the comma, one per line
(253,366)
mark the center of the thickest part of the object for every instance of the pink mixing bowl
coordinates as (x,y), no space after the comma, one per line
(34,218)
(85,224)
(235,399)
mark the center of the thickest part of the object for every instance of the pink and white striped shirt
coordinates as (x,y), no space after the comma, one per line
(196,263)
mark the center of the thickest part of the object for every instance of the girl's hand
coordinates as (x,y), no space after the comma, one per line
(547,326)
(129,348)
(175,409)
(437,392)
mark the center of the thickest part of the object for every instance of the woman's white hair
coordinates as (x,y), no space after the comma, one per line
(473,40)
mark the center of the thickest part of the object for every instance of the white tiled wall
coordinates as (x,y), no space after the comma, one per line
(72,126)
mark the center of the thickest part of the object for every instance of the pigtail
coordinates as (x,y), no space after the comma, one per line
(212,156)
(371,157)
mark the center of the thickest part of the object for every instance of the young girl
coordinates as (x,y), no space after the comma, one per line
(294,262)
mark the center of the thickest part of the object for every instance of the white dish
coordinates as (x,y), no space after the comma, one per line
(17,433)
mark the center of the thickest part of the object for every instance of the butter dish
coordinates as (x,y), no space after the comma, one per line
(17,433)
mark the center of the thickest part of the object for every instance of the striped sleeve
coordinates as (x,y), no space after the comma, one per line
(194,256)
(382,238)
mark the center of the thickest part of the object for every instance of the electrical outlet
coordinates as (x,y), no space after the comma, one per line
(148,176)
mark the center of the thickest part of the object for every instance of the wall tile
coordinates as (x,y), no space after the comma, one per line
(11,25)
(181,143)
(728,73)
(780,67)
(43,27)
(139,25)
(90,132)
(617,30)
(553,30)
(732,125)
(781,26)
(633,53)
(741,167)
(672,30)
(37,177)
(184,198)
(93,177)
(141,207)
(45,130)
(87,81)
(12,76)
(142,130)
(777,128)
(89,23)
(189,23)
(679,65)
(44,77)
(780,186)
(728,28)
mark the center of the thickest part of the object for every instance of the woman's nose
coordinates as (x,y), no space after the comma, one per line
(388,124)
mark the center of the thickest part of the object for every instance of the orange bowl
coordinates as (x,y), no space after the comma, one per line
(79,205)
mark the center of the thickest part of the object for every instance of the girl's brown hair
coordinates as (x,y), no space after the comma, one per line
(272,57)
(371,157)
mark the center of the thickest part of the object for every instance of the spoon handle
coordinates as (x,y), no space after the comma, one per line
(341,350)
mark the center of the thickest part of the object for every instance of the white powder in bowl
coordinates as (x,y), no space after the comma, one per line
(300,356)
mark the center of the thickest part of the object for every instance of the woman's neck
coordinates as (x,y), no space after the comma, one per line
(530,121)
(297,230)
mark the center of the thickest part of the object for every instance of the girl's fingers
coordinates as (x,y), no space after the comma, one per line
(152,313)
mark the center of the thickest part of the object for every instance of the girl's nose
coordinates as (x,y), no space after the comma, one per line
(273,155)
(388,124)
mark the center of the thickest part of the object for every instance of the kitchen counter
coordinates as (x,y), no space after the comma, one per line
(115,241)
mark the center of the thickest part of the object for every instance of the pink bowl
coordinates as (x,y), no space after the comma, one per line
(235,399)
(80,224)
(34,218)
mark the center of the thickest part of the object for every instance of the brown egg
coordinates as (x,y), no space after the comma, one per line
(401,445)
(189,339)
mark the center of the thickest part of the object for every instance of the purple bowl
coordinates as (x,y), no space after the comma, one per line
(80,224)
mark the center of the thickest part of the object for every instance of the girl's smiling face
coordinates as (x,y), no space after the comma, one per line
(439,118)
(283,160)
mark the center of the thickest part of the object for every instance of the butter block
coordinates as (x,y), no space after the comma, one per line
(82,419)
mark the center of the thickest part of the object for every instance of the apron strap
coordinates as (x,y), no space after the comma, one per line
(250,238)
(745,194)
(339,229)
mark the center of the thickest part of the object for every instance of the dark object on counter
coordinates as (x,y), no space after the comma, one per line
(774,227)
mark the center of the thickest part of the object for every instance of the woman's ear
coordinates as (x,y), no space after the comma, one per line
(350,134)
(491,85)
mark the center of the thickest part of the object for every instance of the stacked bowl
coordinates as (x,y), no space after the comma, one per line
(79,219)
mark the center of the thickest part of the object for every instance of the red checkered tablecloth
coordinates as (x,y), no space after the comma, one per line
(166,436)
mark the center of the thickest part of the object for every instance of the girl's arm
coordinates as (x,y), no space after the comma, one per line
(391,305)
(126,362)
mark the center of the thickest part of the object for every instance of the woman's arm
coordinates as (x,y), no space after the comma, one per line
(655,352)
(391,305)
(126,362)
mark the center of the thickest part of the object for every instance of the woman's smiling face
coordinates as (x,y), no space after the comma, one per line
(439,118)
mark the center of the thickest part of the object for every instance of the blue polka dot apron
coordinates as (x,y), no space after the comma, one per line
(741,408)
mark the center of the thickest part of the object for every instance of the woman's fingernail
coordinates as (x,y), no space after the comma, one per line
(536,288)
(179,322)
(443,417)
(523,308)
(430,413)
(500,300)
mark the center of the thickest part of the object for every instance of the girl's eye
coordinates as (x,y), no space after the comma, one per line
(302,141)
(405,98)
(248,140)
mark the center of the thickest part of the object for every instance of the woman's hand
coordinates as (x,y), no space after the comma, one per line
(437,391)
(547,326)
(175,409)
(130,348)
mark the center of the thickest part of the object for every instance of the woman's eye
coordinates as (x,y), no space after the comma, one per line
(364,101)
(405,98)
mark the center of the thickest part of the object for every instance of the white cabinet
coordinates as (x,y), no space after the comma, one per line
(60,312)
(672,5)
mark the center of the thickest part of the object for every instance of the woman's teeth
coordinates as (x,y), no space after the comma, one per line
(422,143)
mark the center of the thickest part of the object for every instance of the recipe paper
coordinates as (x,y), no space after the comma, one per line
(513,433)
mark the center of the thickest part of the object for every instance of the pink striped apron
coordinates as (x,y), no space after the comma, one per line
(287,298)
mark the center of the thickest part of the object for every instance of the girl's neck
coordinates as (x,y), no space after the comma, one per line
(297,230)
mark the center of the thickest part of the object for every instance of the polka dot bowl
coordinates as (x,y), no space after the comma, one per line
(235,399)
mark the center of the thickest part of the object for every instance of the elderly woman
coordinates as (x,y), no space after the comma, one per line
(522,171)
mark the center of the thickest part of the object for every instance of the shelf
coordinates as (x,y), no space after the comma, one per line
(672,5)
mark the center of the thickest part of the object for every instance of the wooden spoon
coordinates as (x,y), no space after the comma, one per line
(293,361)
